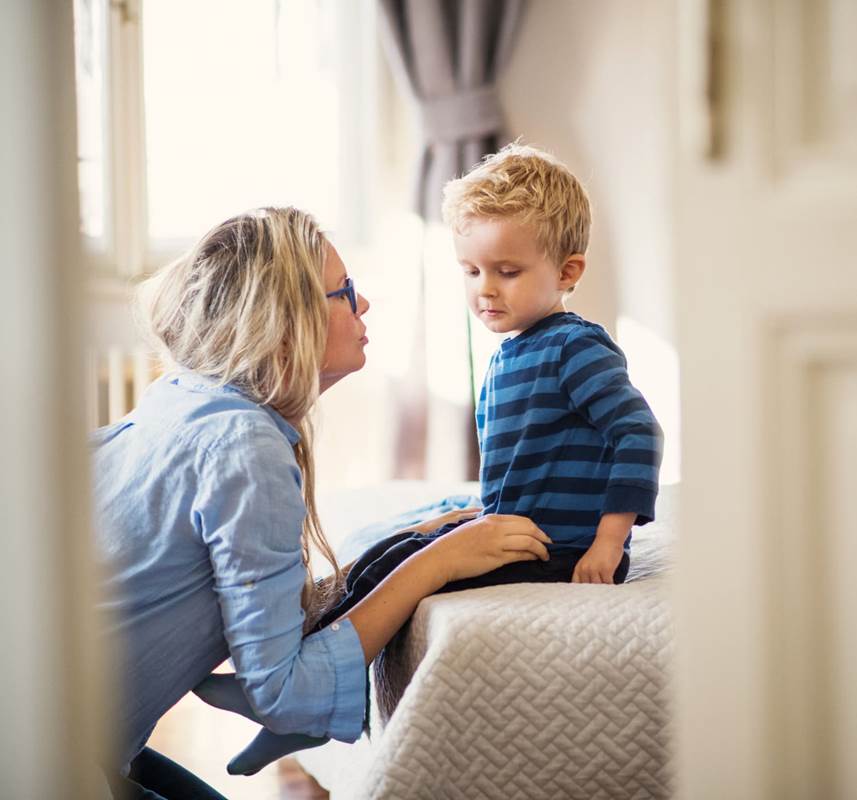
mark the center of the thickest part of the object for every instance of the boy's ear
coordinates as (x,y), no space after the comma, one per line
(571,271)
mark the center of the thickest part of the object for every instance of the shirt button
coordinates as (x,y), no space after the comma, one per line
(335,626)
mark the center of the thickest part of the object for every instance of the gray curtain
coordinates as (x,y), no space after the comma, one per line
(449,53)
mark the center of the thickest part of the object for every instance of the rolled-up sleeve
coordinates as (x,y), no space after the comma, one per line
(249,513)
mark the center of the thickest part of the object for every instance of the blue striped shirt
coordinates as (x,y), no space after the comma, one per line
(563,434)
(199,512)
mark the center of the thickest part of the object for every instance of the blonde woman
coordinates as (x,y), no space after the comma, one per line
(205,507)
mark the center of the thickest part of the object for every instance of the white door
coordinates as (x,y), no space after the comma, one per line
(53,687)
(766,261)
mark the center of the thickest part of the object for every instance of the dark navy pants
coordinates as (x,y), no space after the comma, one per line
(156,777)
(382,558)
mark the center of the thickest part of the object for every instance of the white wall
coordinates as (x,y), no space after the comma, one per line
(592,82)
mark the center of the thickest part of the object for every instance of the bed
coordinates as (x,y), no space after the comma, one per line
(529,691)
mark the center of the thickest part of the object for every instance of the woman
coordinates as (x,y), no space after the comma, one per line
(204,498)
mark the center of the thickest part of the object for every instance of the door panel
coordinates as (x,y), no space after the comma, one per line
(766,227)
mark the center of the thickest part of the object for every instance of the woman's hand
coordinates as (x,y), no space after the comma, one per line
(434,523)
(470,549)
(486,543)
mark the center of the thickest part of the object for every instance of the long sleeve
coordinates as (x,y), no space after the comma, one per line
(593,372)
(249,513)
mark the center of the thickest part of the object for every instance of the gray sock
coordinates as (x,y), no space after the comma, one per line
(223,691)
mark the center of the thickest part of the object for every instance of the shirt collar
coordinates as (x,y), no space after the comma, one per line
(545,323)
(194,382)
(288,430)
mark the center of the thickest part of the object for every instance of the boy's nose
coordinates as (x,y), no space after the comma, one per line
(486,288)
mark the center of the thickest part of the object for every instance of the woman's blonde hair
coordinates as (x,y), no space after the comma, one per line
(531,186)
(246,306)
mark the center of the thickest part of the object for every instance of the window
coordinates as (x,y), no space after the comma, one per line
(89,50)
(191,112)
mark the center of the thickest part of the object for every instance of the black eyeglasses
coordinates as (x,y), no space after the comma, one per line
(348,291)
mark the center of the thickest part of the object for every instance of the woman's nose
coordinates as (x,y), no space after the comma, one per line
(362,305)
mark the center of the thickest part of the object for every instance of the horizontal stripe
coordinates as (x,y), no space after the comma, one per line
(546,383)
(520,405)
(527,374)
(635,455)
(493,470)
(589,342)
(565,516)
(577,375)
(576,493)
(532,416)
(570,429)
(640,474)
(517,467)
(623,414)
(597,386)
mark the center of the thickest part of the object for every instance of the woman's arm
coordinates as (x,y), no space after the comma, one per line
(471,549)
(248,512)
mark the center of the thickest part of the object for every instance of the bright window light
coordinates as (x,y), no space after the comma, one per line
(89,76)
(241,108)
(654,369)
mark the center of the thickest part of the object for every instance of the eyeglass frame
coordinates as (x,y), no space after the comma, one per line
(349,292)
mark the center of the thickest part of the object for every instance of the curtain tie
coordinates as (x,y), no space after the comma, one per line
(464,115)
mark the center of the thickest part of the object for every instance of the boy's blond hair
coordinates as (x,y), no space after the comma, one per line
(530,186)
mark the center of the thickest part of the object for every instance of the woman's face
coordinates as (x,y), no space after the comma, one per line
(346,333)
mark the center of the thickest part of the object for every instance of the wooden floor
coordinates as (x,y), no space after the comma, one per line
(203,739)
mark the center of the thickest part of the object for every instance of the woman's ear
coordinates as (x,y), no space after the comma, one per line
(571,271)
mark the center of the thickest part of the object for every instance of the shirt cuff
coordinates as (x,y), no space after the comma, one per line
(622,499)
(349,693)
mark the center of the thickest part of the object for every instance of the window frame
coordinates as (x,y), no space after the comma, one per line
(127,252)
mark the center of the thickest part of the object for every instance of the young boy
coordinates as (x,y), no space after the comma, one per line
(565,439)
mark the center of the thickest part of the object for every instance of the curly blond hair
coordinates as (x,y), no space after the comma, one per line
(246,306)
(530,186)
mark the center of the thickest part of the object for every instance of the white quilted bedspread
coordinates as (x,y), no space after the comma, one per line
(530,691)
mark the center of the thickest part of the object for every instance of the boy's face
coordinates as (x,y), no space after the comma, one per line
(510,283)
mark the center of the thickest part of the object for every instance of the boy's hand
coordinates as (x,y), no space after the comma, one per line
(603,556)
(599,563)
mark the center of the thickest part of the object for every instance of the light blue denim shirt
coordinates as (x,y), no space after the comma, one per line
(198,517)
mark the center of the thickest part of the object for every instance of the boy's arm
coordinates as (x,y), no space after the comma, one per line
(594,374)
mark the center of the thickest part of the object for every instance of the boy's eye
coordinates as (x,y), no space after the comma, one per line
(510,273)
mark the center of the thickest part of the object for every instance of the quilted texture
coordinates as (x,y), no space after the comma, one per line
(530,691)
